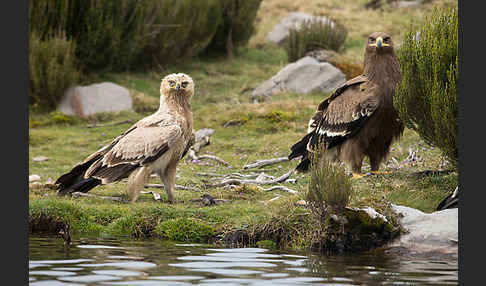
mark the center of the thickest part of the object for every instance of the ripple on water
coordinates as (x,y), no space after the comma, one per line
(89,278)
(295,280)
(240,266)
(124,264)
(275,275)
(243,255)
(176,278)
(116,272)
(53,283)
(96,246)
(34,265)
(148,283)
(68,268)
(225,258)
(69,261)
(52,273)
(204,264)
(227,272)
(232,281)
(298,269)
(238,250)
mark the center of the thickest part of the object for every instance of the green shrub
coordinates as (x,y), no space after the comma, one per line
(184,229)
(109,34)
(427,97)
(51,70)
(329,187)
(314,35)
(119,35)
(181,30)
(236,27)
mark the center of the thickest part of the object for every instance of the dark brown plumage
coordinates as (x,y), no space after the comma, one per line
(358,119)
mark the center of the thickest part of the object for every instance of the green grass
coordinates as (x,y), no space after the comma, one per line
(264,130)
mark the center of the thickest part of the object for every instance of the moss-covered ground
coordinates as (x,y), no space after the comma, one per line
(258,131)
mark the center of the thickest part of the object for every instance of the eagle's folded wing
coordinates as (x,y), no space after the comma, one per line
(139,147)
(343,115)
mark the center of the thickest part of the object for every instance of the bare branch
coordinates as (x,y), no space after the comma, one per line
(211,157)
(283,188)
(260,163)
(177,187)
(258,181)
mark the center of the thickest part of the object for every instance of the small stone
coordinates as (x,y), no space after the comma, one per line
(34,178)
(40,159)
(301,203)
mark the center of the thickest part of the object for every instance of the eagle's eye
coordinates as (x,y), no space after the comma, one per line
(371,40)
(171,83)
(184,84)
(387,39)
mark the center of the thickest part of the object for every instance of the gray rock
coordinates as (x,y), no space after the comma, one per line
(91,99)
(292,21)
(434,232)
(304,76)
(406,4)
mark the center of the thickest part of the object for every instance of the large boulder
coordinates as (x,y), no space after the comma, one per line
(303,76)
(94,98)
(293,21)
(436,232)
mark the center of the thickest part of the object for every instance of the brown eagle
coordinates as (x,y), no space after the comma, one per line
(155,144)
(358,119)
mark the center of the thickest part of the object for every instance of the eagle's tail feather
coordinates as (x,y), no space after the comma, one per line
(74,181)
(304,164)
(451,201)
(300,149)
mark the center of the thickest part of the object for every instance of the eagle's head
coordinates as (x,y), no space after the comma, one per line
(379,43)
(177,86)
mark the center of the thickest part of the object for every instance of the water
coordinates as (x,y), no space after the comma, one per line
(152,262)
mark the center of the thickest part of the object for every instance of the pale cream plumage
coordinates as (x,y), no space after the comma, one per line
(155,144)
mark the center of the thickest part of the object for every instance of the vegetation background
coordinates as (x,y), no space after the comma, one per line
(225,73)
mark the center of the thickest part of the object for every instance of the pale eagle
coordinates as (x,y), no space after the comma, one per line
(155,144)
(358,119)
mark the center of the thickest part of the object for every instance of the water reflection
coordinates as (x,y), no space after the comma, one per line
(152,262)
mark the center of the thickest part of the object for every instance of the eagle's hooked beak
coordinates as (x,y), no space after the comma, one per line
(379,43)
(178,86)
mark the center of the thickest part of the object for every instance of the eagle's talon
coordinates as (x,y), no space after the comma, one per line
(380,173)
(359,176)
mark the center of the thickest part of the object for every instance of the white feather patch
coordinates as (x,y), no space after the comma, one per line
(310,128)
(332,134)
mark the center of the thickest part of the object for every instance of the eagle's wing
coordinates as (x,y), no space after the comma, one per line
(312,125)
(343,113)
(139,146)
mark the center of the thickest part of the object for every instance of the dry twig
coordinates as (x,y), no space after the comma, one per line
(266,162)
(177,187)
(258,181)
(283,188)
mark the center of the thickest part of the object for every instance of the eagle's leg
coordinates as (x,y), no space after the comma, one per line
(375,162)
(356,163)
(136,182)
(168,178)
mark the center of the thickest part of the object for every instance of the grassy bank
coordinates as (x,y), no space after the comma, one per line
(258,131)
